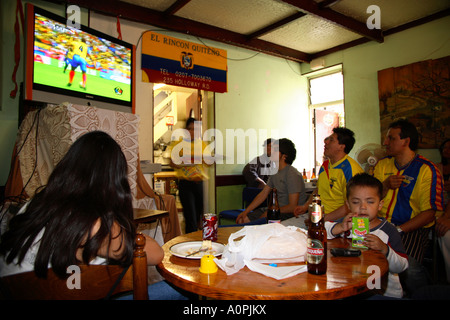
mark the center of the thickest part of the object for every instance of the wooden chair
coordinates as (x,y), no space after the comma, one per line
(96,281)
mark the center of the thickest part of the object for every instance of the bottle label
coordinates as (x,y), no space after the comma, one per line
(273,221)
(315,251)
(316,212)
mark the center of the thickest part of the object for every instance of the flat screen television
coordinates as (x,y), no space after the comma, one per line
(80,66)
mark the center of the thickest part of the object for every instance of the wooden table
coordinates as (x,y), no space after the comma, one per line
(345,277)
(148,215)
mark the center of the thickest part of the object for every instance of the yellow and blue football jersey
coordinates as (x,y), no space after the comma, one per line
(421,190)
(332,182)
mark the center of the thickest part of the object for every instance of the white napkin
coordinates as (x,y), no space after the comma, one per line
(277,273)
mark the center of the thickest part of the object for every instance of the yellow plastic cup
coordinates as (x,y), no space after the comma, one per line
(207,264)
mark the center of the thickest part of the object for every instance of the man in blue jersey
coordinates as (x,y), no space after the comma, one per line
(413,195)
(334,174)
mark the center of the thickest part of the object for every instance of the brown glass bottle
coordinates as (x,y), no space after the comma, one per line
(316,254)
(313,175)
(273,209)
(304,175)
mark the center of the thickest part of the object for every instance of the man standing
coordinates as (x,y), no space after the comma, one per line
(257,171)
(288,182)
(413,195)
(334,174)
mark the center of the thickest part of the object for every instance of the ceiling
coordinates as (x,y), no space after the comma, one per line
(298,30)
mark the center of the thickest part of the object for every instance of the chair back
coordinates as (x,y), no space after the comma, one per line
(94,282)
(248,194)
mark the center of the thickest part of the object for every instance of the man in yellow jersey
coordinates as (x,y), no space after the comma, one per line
(334,174)
(187,159)
(77,58)
(413,196)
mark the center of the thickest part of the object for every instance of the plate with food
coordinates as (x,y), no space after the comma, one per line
(196,249)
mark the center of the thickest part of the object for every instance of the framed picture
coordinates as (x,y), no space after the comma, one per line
(419,92)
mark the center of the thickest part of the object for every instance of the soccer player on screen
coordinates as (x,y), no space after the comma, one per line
(76,56)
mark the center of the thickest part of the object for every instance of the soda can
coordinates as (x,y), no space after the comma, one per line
(210,225)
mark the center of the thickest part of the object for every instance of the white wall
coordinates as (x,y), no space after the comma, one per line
(265,93)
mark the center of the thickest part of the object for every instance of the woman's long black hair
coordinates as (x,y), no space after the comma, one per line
(89,183)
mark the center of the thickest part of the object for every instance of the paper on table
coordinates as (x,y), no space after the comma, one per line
(277,273)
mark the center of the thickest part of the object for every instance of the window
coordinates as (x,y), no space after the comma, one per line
(327,108)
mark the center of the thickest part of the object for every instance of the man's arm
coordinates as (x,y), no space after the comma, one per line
(250,173)
(337,214)
(254,204)
(392,182)
(419,221)
(304,208)
(293,201)
(443,223)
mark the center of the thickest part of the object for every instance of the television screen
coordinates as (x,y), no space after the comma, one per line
(81,63)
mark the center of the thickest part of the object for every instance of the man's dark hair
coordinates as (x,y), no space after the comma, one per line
(407,130)
(365,180)
(346,137)
(287,147)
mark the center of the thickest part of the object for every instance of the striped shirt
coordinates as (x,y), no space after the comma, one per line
(396,256)
(421,190)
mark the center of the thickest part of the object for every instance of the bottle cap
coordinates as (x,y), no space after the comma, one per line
(207,264)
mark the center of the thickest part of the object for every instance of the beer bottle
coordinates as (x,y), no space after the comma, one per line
(316,254)
(273,209)
(313,176)
(304,175)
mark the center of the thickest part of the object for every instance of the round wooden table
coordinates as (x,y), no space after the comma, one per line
(345,277)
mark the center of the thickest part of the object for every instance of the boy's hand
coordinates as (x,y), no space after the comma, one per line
(346,223)
(375,243)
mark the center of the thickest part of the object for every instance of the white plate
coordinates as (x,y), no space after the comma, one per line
(184,248)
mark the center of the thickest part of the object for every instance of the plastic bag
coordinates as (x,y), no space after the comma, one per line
(269,243)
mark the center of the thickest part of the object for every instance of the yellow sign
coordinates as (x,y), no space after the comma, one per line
(183,63)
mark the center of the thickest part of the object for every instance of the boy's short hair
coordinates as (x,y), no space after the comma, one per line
(365,180)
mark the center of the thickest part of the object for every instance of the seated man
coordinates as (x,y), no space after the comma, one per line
(413,195)
(257,172)
(288,181)
(334,174)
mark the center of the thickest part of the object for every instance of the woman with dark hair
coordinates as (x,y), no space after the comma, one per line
(83,215)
